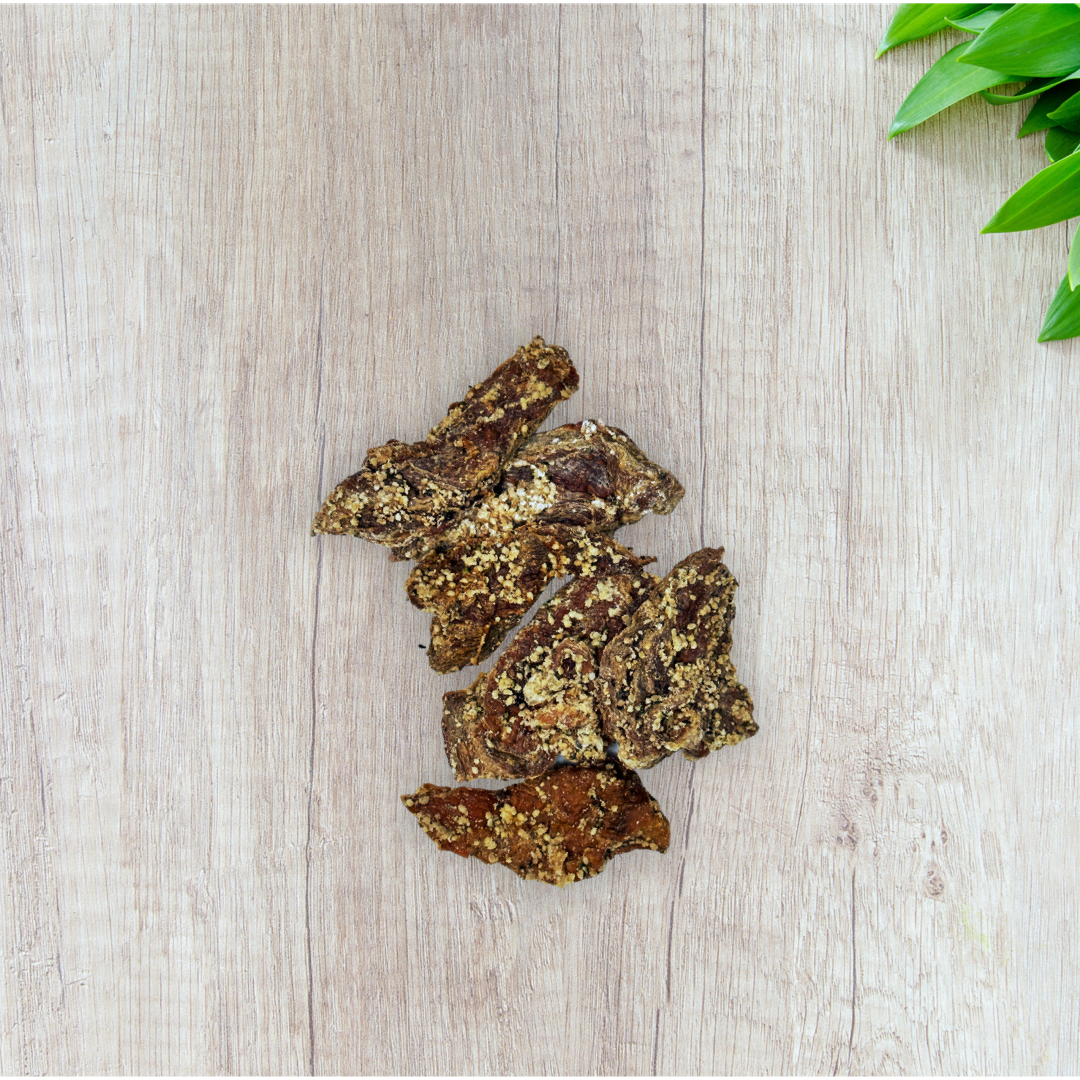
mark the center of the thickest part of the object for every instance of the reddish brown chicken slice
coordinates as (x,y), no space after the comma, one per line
(667,682)
(407,494)
(490,566)
(583,474)
(538,702)
(560,827)
(479,589)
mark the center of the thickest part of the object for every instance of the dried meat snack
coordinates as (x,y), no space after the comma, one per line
(666,682)
(538,702)
(490,566)
(560,827)
(479,590)
(406,494)
(585,474)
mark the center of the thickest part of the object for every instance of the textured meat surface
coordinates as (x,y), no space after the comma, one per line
(539,701)
(480,589)
(406,494)
(486,570)
(560,827)
(583,474)
(667,682)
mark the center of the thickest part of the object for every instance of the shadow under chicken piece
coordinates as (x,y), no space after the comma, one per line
(538,701)
(557,828)
(666,682)
(406,494)
(487,569)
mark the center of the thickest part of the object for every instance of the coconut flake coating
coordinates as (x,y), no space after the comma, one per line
(560,827)
(666,682)
(407,494)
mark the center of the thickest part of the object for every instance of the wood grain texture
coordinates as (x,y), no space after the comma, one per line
(239,246)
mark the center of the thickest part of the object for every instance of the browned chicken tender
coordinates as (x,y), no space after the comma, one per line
(667,682)
(560,827)
(539,701)
(407,494)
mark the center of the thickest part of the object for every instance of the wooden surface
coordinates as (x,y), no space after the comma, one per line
(240,245)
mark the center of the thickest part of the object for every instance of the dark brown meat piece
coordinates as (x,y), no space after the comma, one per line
(406,494)
(560,827)
(491,565)
(667,682)
(479,589)
(538,702)
(583,474)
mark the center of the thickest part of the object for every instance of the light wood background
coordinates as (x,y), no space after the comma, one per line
(239,246)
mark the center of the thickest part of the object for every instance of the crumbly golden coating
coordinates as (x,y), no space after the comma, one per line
(561,827)
(667,682)
(585,474)
(405,494)
(487,569)
(479,589)
(538,702)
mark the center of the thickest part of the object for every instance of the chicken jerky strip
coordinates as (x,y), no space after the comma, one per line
(539,700)
(560,827)
(405,494)
(584,474)
(667,682)
(479,590)
(489,567)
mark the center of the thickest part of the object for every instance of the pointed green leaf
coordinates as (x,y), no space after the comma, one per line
(1068,112)
(946,83)
(914,21)
(1074,260)
(1037,118)
(1031,89)
(1060,142)
(1063,315)
(1036,39)
(1050,196)
(980,20)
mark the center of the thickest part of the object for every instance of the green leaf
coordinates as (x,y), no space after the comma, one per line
(980,20)
(1031,89)
(1060,142)
(1068,112)
(1037,118)
(946,83)
(1048,197)
(1074,260)
(914,21)
(1063,315)
(1035,39)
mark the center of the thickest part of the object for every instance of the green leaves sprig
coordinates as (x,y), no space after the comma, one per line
(1034,44)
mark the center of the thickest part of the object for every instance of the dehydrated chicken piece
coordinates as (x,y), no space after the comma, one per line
(405,494)
(560,827)
(488,568)
(583,474)
(667,682)
(538,702)
(479,589)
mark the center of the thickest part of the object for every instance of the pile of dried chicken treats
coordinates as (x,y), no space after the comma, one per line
(617,670)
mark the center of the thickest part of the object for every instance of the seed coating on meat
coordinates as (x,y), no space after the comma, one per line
(560,827)
(539,701)
(488,568)
(585,474)
(480,589)
(407,494)
(666,682)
